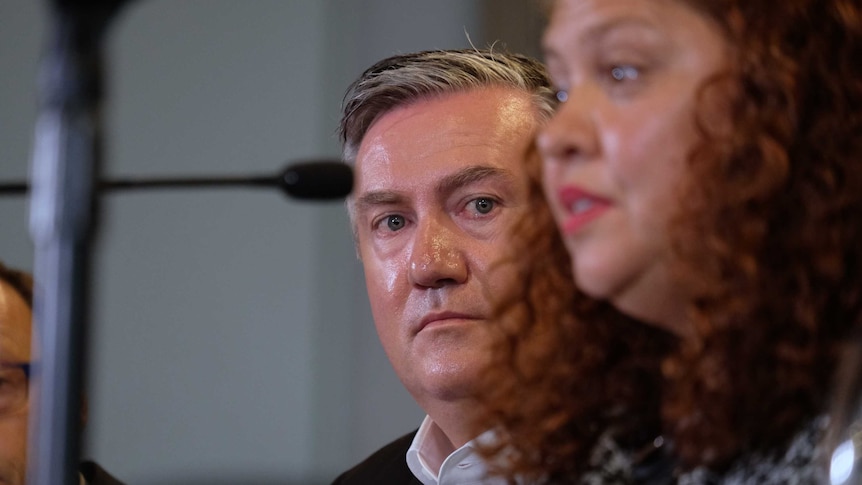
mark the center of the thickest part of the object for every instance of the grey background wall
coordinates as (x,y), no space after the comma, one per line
(231,336)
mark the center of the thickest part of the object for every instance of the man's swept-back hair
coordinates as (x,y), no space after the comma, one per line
(404,79)
(20,281)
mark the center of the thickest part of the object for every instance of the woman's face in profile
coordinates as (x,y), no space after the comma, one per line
(628,74)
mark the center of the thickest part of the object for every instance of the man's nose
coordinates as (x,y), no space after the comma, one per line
(437,258)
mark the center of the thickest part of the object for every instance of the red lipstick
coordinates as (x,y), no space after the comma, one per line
(581,207)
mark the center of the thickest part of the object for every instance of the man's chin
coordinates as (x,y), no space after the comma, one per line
(455,387)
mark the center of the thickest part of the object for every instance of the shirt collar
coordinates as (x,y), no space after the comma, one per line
(434,461)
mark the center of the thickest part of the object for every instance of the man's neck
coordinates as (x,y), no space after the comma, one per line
(456,421)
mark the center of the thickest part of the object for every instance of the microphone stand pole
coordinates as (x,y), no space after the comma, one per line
(63,216)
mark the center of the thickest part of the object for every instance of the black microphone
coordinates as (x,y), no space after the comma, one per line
(310,180)
(320,180)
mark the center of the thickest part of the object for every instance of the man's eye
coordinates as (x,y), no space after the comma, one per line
(395,222)
(484,205)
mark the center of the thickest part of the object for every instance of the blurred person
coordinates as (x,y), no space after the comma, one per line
(437,141)
(703,170)
(16,302)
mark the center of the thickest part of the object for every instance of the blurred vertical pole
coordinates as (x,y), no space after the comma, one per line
(63,215)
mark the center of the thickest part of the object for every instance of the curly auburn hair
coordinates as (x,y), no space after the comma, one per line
(564,367)
(769,241)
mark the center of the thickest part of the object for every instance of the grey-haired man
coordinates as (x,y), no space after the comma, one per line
(438,141)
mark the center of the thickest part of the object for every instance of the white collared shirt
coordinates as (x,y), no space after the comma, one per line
(433,460)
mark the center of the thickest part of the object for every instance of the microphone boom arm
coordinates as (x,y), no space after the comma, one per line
(322,179)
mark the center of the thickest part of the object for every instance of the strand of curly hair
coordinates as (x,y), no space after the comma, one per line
(549,332)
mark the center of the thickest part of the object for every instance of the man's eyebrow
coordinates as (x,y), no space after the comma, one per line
(378,198)
(470,175)
(450,183)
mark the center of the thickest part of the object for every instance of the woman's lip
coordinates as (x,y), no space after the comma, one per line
(580,207)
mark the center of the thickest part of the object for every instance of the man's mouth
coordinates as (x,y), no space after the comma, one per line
(444,317)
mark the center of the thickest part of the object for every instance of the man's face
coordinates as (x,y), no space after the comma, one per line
(15,318)
(439,184)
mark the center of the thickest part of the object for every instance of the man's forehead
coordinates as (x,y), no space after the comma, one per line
(500,112)
(431,146)
(444,185)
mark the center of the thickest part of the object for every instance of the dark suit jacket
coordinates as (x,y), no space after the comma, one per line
(388,466)
(95,475)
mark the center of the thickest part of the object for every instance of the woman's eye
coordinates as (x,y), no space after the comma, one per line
(484,205)
(395,222)
(624,73)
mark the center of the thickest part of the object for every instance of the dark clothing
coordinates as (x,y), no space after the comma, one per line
(800,463)
(388,465)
